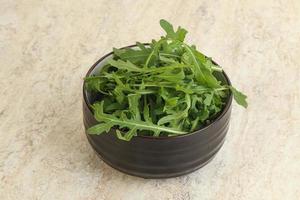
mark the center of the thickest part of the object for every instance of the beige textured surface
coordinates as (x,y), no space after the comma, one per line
(47,46)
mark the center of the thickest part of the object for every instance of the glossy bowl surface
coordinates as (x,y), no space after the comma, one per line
(158,157)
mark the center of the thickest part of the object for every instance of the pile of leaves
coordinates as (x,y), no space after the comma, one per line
(166,88)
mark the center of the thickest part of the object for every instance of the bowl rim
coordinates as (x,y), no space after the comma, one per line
(198,131)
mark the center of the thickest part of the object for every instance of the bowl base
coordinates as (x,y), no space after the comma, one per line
(156,176)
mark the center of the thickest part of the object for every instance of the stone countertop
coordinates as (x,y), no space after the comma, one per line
(46,47)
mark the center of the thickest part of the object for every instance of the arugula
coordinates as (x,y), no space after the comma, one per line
(165,88)
(133,124)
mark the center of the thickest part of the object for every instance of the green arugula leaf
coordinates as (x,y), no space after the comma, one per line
(208,99)
(167,27)
(92,83)
(172,76)
(133,101)
(166,88)
(178,35)
(100,128)
(133,55)
(181,33)
(239,97)
(101,117)
(146,112)
(120,64)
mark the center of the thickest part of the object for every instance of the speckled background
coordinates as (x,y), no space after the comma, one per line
(47,46)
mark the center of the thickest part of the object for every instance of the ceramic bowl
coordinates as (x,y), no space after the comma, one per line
(158,157)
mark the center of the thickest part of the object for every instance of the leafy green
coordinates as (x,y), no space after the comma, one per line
(239,97)
(135,56)
(133,123)
(165,88)
(120,64)
(178,35)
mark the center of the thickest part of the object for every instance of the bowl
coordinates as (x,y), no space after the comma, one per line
(158,157)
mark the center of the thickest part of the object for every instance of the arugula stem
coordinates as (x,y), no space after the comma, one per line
(153,51)
(217,69)
(169,86)
(221,88)
(170,55)
(153,85)
(164,68)
(148,59)
(189,50)
(140,125)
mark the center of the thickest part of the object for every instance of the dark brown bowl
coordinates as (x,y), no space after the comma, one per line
(158,157)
